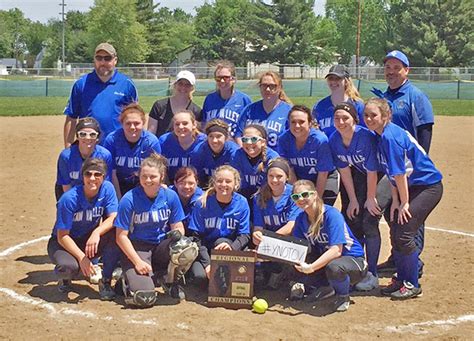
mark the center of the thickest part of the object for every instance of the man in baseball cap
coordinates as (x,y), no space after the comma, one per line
(411,110)
(100,94)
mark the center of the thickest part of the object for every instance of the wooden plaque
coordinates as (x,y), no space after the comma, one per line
(232,279)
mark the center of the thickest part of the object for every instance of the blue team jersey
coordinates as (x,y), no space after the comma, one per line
(126,157)
(333,231)
(188,207)
(275,122)
(90,97)
(275,214)
(206,162)
(80,216)
(251,178)
(314,157)
(176,155)
(399,153)
(228,110)
(323,112)
(148,220)
(70,164)
(361,152)
(410,108)
(214,222)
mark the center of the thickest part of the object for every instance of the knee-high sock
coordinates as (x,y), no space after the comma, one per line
(372,248)
(341,287)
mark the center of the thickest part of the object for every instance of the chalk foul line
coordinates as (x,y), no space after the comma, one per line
(419,327)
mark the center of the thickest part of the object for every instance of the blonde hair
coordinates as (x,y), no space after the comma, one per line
(382,105)
(132,108)
(212,190)
(175,84)
(265,192)
(350,90)
(276,77)
(195,130)
(316,220)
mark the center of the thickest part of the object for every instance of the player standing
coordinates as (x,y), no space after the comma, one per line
(271,111)
(416,190)
(100,94)
(226,103)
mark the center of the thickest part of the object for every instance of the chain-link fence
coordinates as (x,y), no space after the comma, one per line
(298,81)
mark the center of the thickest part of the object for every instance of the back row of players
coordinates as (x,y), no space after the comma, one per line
(247,159)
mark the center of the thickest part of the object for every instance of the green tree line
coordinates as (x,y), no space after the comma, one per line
(431,32)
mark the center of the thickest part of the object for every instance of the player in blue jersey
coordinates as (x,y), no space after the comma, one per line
(218,150)
(163,110)
(186,186)
(416,190)
(252,159)
(129,146)
(226,103)
(271,111)
(307,150)
(100,94)
(220,220)
(363,197)
(84,230)
(146,215)
(70,160)
(342,90)
(182,143)
(333,248)
(273,210)
(411,110)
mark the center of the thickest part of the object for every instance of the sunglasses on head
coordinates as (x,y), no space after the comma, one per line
(223,78)
(251,140)
(302,195)
(101,58)
(272,87)
(84,134)
(89,174)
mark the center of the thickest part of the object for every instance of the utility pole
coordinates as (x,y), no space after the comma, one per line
(63,59)
(359,19)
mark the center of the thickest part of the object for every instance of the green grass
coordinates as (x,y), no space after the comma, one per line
(35,106)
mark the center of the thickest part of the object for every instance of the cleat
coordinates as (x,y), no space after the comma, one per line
(64,286)
(387,266)
(407,291)
(174,290)
(342,303)
(368,283)
(106,292)
(296,291)
(394,286)
(320,294)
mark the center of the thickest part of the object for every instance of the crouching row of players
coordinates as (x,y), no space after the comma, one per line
(150,224)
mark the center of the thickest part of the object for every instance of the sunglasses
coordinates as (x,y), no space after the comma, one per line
(251,140)
(84,135)
(101,58)
(272,87)
(89,174)
(302,195)
(223,78)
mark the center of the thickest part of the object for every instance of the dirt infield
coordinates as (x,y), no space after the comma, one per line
(31,307)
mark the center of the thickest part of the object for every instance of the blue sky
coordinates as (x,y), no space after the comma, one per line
(42,10)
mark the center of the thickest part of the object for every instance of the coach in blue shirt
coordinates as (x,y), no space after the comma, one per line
(100,94)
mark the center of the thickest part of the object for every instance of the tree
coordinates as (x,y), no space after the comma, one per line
(12,34)
(115,21)
(221,30)
(434,33)
(374,27)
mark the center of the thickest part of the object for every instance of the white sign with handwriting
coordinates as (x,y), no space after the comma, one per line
(282,248)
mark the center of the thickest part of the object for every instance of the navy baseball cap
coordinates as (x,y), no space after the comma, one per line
(338,71)
(397,55)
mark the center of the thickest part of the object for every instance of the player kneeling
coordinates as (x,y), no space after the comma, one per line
(152,253)
(84,230)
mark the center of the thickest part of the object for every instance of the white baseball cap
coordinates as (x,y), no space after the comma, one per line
(188,75)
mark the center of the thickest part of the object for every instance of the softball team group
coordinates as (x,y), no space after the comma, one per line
(156,201)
